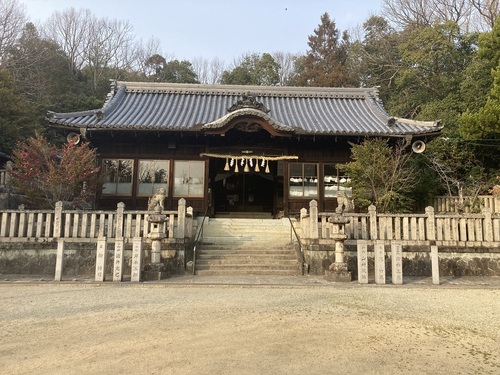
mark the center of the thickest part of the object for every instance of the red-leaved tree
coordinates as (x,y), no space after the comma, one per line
(45,174)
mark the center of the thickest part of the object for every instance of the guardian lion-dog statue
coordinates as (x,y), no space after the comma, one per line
(157,199)
(344,203)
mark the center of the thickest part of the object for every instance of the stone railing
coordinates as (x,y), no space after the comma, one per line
(462,230)
(466,204)
(468,244)
(88,226)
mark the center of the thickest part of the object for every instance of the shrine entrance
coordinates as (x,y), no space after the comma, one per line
(253,189)
(244,193)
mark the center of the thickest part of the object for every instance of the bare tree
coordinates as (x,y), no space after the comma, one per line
(200,67)
(287,71)
(217,67)
(459,11)
(409,13)
(470,15)
(12,20)
(208,71)
(142,52)
(70,29)
(488,11)
(108,46)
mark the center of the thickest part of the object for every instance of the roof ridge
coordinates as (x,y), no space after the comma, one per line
(287,91)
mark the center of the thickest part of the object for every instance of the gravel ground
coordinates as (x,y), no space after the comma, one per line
(226,328)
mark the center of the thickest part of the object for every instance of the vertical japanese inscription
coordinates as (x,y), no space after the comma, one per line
(379,262)
(362,262)
(100,263)
(118,263)
(397,262)
(136,259)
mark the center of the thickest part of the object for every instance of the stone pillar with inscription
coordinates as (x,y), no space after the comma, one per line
(101,257)
(338,270)
(136,267)
(362,261)
(118,259)
(397,262)
(379,250)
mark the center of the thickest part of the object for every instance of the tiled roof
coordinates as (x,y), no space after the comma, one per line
(188,107)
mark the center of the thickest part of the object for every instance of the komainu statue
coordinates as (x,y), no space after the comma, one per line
(344,202)
(157,199)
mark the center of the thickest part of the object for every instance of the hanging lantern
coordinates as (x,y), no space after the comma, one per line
(267,166)
(246,169)
(226,167)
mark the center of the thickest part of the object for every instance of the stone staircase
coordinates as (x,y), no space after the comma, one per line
(243,246)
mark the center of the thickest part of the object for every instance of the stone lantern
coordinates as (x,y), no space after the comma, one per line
(338,270)
(156,269)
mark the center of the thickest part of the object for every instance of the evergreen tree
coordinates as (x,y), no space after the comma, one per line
(325,64)
(254,69)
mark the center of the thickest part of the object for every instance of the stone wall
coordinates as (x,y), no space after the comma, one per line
(39,258)
(416,261)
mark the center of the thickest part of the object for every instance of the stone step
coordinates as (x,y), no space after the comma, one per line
(233,272)
(207,253)
(244,258)
(247,267)
(228,245)
(246,246)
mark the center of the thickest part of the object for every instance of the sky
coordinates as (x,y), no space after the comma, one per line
(226,29)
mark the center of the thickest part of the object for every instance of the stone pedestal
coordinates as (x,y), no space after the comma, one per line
(154,272)
(338,270)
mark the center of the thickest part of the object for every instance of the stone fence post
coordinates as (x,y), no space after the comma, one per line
(487,224)
(120,208)
(181,218)
(430,224)
(313,217)
(58,220)
(304,223)
(372,212)
(189,222)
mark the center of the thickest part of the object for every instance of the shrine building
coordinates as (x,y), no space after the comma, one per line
(231,150)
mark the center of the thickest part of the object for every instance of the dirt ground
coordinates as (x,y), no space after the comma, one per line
(87,328)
